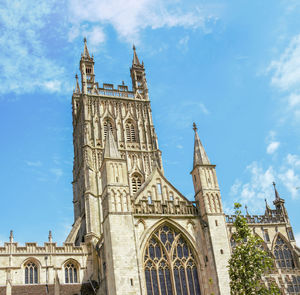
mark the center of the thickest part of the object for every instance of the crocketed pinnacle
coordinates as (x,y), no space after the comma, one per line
(135,60)
(200,156)
(85,50)
(77,88)
(110,150)
(277,197)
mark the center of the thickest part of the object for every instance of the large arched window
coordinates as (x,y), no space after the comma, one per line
(130,132)
(136,182)
(283,255)
(107,124)
(170,265)
(31,273)
(71,273)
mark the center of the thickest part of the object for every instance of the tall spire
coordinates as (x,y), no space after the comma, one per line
(135,60)
(110,149)
(200,156)
(85,49)
(77,88)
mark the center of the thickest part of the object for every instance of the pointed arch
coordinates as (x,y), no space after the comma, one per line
(282,252)
(170,263)
(71,271)
(31,271)
(130,130)
(108,123)
(136,181)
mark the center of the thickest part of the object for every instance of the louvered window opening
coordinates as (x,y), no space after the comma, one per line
(169,264)
(283,255)
(136,183)
(31,273)
(106,124)
(130,132)
(71,274)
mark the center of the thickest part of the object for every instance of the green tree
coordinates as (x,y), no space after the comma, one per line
(249,261)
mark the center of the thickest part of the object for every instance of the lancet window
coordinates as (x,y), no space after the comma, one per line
(170,265)
(136,182)
(71,274)
(107,124)
(31,273)
(283,254)
(293,285)
(130,132)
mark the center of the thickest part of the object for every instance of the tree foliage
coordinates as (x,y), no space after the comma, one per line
(249,261)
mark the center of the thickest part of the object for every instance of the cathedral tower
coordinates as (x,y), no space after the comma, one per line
(128,115)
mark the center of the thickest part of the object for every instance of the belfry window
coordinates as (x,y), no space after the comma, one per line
(71,276)
(167,256)
(107,124)
(283,255)
(136,182)
(31,273)
(130,132)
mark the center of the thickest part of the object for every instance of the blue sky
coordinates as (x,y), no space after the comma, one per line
(233,67)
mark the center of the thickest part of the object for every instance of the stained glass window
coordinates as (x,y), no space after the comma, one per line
(293,285)
(283,255)
(170,265)
(31,273)
(70,273)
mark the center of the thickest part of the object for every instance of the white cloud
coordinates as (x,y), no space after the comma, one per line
(34,163)
(259,187)
(272,147)
(96,36)
(179,146)
(291,181)
(287,68)
(293,160)
(23,56)
(130,18)
(286,76)
(294,100)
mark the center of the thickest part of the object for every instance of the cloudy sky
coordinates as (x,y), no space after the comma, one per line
(233,67)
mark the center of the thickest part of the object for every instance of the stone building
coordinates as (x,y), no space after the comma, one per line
(133,231)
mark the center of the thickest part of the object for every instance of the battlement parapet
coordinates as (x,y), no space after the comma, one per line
(261,219)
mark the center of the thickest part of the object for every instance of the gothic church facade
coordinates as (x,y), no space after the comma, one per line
(133,231)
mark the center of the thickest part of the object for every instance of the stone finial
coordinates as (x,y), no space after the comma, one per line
(50,236)
(11,237)
(195,127)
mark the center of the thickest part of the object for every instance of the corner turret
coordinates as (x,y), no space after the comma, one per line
(138,76)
